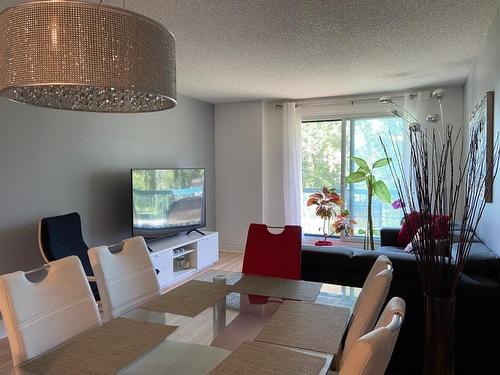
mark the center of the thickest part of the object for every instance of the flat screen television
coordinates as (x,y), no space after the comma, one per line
(167,201)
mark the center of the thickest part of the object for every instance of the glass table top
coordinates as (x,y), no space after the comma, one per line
(201,342)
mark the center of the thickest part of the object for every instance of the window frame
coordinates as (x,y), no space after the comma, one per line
(345,165)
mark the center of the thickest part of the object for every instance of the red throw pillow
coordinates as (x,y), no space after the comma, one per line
(409,228)
(439,227)
(440,224)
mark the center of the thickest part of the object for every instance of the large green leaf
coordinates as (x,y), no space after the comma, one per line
(355,177)
(363,165)
(381,191)
(381,162)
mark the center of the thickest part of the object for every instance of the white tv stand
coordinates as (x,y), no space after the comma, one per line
(179,256)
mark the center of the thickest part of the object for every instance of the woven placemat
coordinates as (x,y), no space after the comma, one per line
(102,350)
(252,358)
(306,325)
(189,299)
(280,288)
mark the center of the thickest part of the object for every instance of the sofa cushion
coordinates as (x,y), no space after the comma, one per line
(330,264)
(392,249)
(481,261)
(403,263)
(328,257)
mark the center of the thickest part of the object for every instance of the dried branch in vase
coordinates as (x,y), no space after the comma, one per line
(444,186)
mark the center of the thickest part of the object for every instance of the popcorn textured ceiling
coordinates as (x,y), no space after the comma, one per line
(235,50)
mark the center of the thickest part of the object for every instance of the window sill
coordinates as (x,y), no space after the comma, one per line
(356,241)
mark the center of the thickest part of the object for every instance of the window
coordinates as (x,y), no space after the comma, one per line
(326,149)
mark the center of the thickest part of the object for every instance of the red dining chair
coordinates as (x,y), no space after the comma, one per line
(275,255)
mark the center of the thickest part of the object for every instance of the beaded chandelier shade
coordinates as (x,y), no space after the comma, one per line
(86,57)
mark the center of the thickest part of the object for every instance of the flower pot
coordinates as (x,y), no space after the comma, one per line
(439,350)
(347,233)
(323,243)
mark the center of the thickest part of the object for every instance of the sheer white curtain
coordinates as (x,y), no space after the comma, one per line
(292,163)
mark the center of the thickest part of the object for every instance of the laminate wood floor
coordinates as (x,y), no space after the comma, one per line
(5,359)
(228,261)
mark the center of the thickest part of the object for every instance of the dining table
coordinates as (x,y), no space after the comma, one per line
(201,342)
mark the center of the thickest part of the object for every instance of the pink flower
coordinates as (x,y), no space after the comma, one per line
(397,204)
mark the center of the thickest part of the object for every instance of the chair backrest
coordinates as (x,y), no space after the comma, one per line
(369,303)
(61,236)
(41,315)
(125,278)
(371,353)
(276,255)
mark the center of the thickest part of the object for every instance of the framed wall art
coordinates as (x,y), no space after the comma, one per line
(482,118)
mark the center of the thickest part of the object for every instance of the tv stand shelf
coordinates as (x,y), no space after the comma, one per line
(183,253)
(198,252)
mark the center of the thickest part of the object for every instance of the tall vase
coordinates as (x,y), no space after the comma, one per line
(347,233)
(439,351)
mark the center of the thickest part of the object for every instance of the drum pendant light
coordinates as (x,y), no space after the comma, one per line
(85,56)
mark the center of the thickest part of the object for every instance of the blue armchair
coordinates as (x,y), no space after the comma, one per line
(61,236)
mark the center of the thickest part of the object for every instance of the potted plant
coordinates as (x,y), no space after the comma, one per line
(344,224)
(378,187)
(325,202)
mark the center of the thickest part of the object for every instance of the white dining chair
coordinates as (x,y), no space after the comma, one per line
(125,278)
(372,352)
(369,303)
(40,315)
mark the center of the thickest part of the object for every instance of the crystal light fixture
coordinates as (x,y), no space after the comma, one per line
(83,56)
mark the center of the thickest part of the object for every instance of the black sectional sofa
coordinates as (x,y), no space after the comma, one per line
(477,305)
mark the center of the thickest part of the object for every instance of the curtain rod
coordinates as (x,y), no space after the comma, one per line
(303,103)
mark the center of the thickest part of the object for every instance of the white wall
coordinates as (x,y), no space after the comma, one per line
(485,76)
(238,171)
(249,169)
(54,162)
(273,210)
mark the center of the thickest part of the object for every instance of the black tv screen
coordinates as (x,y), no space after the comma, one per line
(167,201)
